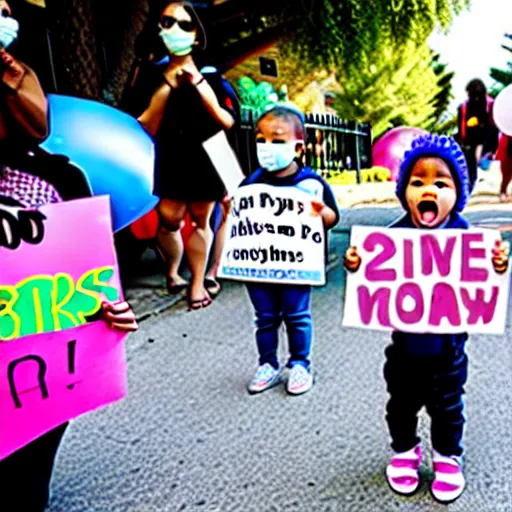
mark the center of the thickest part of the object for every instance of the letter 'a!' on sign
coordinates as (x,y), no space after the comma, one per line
(426,281)
(54,363)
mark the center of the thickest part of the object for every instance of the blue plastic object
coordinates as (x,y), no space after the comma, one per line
(113,150)
(485,163)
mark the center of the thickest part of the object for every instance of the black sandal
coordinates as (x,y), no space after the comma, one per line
(212,286)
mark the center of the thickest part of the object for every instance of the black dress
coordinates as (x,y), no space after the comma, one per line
(183,170)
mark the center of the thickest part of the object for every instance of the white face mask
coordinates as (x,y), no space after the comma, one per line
(275,157)
(8,31)
(178,41)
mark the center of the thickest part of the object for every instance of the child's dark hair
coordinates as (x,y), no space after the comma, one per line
(291,115)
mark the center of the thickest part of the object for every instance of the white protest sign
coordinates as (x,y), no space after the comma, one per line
(225,162)
(426,281)
(273,237)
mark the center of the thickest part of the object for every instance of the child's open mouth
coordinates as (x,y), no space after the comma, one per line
(428,211)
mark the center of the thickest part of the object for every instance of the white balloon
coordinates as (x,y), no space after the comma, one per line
(503,111)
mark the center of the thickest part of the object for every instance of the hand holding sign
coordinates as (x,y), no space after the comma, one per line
(501,254)
(442,281)
(321,209)
(352,260)
(120,316)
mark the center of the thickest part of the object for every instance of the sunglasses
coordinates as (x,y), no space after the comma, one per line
(168,21)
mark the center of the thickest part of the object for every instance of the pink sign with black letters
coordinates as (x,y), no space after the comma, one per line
(426,281)
(56,265)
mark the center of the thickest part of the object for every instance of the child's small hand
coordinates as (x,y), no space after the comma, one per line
(352,260)
(317,207)
(119,315)
(500,256)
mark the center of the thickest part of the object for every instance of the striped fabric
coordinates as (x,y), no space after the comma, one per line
(449,480)
(402,472)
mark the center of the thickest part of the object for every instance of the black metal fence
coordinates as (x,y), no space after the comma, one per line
(332,144)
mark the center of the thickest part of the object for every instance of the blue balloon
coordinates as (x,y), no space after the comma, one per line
(112,149)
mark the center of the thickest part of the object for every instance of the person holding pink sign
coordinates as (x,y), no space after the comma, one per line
(25,474)
(429,369)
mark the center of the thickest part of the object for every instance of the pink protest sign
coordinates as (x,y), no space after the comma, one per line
(426,281)
(48,379)
(56,265)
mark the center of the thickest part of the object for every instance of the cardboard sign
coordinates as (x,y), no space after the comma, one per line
(273,237)
(426,281)
(56,265)
(225,162)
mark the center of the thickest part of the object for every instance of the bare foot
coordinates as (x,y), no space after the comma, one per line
(198,297)
(199,300)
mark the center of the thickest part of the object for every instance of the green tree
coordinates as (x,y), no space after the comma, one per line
(390,89)
(334,33)
(441,100)
(503,77)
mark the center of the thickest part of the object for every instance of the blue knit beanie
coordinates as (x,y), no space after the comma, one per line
(436,146)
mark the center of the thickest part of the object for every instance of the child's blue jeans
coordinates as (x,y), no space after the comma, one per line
(273,304)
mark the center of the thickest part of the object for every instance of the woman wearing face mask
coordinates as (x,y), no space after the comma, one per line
(183,110)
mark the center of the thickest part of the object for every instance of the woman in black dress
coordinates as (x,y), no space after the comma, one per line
(185,109)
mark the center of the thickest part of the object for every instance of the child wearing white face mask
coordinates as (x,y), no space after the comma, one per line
(278,132)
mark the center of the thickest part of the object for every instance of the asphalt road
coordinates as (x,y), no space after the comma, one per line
(189,436)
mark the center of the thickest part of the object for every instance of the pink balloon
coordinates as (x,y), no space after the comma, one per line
(388,151)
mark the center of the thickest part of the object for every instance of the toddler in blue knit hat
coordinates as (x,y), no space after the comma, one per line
(429,369)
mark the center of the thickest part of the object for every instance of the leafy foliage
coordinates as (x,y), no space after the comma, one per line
(503,77)
(392,88)
(256,96)
(441,100)
(334,33)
